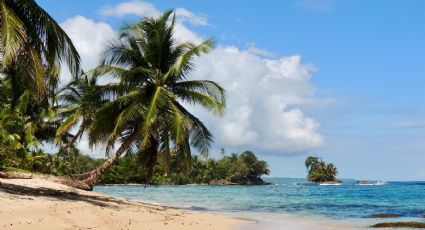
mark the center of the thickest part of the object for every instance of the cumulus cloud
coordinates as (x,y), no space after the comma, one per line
(146,9)
(264,100)
(192,18)
(139,8)
(89,38)
(258,51)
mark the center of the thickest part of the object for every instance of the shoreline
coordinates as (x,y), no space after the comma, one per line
(40,203)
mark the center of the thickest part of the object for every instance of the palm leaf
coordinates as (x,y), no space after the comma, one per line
(12,33)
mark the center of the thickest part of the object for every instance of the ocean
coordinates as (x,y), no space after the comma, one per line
(348,202)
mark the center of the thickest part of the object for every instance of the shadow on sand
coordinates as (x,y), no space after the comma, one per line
(59,194)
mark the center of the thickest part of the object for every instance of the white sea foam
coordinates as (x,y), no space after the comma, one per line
(330,184)
(377,183)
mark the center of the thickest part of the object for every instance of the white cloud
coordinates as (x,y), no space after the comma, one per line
(139,8)
(145,9)
(194,19)
(258,51)
(263,100)
(89,38)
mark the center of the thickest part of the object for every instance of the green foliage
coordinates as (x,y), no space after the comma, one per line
(32,43)
(17,138)
(32,47)
(242,168)
(319,171)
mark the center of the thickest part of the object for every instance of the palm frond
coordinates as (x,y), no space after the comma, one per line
(12,33)
(183,62)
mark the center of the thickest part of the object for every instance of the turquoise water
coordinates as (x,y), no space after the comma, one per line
(288,196)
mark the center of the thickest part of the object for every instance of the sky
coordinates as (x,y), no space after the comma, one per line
(342,80)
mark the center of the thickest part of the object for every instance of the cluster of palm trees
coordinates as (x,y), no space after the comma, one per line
(145,112)
(319,171)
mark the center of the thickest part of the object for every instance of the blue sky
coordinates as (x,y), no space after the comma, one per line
(362,99)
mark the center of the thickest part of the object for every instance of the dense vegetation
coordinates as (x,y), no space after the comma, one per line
(320,171)
(144,113)
(242,168)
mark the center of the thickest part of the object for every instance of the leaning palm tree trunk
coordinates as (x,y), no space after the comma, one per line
(73,140)
(92,177)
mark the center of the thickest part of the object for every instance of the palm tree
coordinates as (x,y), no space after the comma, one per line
(150,116)
(320,171)
(310,162)
(330,171)
(16,130)
(80,99)
(31,41)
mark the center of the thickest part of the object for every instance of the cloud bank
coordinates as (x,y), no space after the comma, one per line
(264,100)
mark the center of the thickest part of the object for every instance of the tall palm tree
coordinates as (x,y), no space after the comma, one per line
(150,117)
(31,41)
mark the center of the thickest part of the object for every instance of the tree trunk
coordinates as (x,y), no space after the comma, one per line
(74,139)
(91,178)
(152,151)
(15,175)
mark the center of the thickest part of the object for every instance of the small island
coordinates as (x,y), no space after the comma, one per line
(321,172)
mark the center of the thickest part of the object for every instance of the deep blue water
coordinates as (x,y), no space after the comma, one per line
(290,196)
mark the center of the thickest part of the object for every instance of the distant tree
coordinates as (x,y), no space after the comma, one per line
(256,168)
(319,171)
(310,161)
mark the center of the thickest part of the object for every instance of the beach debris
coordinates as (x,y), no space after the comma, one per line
(15,175)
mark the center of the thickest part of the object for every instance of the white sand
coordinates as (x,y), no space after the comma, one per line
(42,204)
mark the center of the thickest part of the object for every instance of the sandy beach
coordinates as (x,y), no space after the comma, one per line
(41,203)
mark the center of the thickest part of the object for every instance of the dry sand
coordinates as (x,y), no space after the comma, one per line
(40,203)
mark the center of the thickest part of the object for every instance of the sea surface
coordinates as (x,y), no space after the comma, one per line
(348,202)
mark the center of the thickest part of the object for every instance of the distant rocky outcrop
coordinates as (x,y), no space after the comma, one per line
(366,182)
(257,181)
(385,215)
(399,225)
(330,182)
(221,182)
